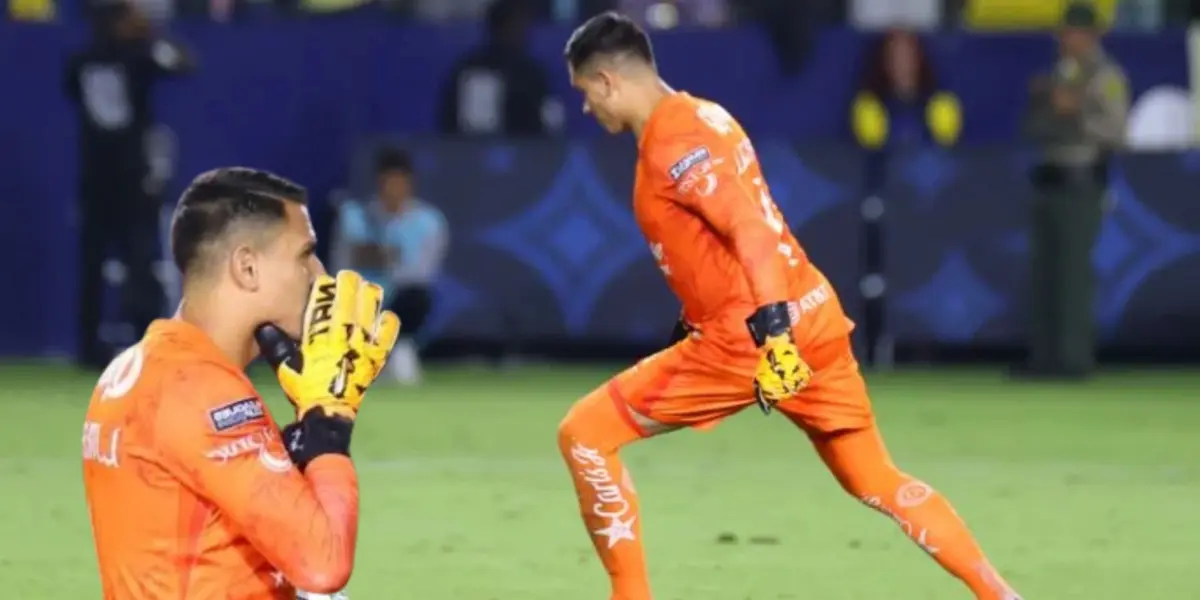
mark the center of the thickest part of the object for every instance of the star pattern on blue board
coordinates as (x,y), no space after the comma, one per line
(1023,160)
(450,298)
(955,302)
(1134,243)
(576,237)
(1189,161)
(800,192)
(499,158)
(425,160)
(928,171)
(647,328)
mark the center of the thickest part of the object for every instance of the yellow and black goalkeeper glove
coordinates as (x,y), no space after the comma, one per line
(345,342)
(781,373)
(378,330)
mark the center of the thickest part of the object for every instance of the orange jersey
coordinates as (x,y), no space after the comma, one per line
(703,205)
(191,492)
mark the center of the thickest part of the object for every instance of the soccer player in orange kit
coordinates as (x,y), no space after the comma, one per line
(762,323)
(192,492)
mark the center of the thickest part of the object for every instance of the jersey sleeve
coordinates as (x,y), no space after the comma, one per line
(699,168)
(228,451)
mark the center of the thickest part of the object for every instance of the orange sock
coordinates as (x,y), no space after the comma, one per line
(861,464)
(589,437)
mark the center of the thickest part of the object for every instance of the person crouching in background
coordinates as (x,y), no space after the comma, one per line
(398,241)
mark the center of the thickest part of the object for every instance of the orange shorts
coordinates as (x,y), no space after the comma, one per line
(706,378)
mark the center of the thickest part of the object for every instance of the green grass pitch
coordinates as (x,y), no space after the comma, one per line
(1086,492)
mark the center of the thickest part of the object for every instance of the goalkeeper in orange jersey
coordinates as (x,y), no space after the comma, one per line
(194,492)
(761,323)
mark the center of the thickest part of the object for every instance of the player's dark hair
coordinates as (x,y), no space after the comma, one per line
(220,199)
(607,35)
(391,159)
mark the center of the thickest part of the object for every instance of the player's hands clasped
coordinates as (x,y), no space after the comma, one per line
(346,340)
(781,372)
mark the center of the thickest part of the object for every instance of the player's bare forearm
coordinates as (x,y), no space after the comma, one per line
(309,531)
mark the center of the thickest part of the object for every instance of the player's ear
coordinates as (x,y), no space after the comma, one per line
(244,267)
(606,80)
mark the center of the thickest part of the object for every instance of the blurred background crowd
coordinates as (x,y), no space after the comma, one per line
(1142,15)
(990,179)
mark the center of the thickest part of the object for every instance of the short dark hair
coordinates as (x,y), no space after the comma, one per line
(219,200)
(390,159)
(607,34)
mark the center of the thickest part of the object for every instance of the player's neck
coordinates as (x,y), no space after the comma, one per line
(234,339)
(653,93)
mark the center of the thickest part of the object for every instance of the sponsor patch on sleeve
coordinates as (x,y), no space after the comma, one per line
(689,160)
(234,414)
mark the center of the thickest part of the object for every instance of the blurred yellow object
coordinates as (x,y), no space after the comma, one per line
(1008,15)
(31,10)
(943,116)
(869,120)
(330,6)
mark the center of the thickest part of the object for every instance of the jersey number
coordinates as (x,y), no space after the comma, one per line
(719,119)
(771,216)
(122,374)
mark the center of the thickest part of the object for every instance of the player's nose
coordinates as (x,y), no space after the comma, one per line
(317,268)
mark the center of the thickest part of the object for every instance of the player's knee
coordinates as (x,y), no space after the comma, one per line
(574,431)
(593,423)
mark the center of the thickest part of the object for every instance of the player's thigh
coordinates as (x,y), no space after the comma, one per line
(836,399)
(690,384)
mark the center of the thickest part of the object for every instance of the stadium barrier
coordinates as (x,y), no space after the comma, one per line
(545,247)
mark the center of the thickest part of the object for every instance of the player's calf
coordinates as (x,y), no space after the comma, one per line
(588,439)
(862,466)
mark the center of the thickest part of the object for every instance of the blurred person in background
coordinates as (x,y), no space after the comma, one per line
(899,103)
(399,241)
(881,14)
(32,10)
(1076,116)
(660,14)
(790,26)
(110,82)
(498,88)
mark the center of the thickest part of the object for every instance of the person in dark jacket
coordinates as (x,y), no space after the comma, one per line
(499,88)
(110,83)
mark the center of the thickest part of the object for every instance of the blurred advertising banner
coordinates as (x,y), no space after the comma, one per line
(545,246)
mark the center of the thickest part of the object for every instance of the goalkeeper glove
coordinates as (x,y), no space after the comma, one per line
(344,344)
(781,373)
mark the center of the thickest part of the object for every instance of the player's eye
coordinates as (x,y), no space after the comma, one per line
(308,252)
